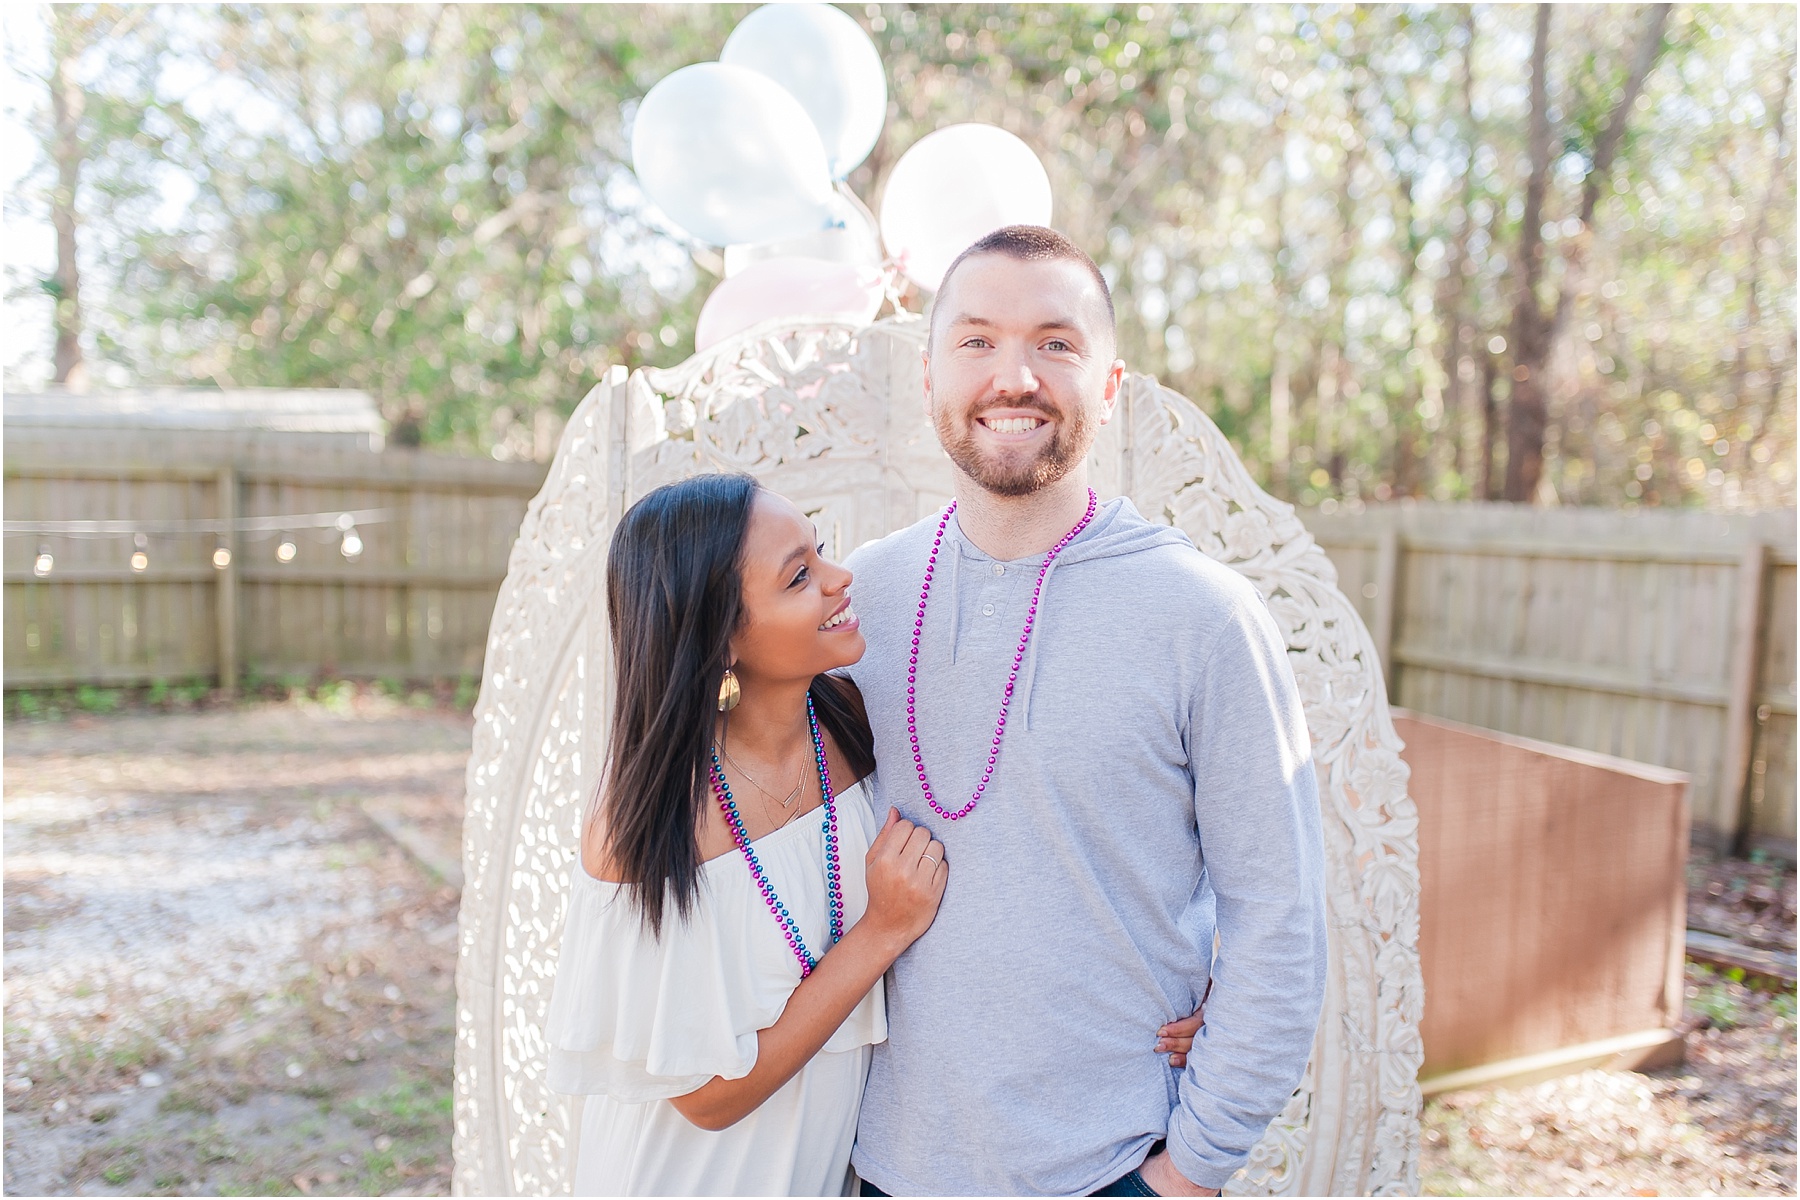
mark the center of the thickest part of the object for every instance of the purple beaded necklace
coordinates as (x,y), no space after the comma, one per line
(790,928)
(1012,676)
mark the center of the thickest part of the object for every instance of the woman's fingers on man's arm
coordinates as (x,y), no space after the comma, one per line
(893,831)
(1176,1038)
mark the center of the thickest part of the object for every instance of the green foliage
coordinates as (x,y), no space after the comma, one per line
(410,1107)
(1310,215)
(97,699)
(1717,1004)
(337,697)
(1783,1006)
(468,690)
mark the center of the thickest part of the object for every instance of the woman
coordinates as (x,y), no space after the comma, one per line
(720,1049)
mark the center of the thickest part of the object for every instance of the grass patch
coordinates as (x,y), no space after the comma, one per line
(1718,1005)
(210,1145)
(98,700)
(337,697)
(1711,996)
(410,1108)
(379,1175)
(118,1163)
(188,1100)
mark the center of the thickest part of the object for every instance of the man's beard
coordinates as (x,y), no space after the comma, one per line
(1006,474)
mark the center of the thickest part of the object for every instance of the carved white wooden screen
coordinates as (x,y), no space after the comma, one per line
(830,416)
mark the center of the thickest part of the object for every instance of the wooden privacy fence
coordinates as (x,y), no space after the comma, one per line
(130,560)
(1662,637)
(1666,638)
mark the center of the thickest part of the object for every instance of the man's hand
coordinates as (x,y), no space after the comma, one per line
(1163,1179)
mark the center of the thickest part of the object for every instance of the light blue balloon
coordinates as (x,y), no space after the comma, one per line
(821,55)
(731,156)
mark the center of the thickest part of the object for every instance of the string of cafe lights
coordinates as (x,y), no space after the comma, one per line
(342,525)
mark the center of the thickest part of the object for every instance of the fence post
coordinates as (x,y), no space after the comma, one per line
(1387,607)
(227,599)
(1740,711)
(412,601)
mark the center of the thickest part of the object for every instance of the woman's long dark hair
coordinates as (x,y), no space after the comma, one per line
(674,598)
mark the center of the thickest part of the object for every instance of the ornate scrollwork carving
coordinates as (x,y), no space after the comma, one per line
(829,415)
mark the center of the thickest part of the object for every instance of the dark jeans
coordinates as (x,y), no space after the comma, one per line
(1129,1184)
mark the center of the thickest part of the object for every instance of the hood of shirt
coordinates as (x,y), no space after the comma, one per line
(1117,529)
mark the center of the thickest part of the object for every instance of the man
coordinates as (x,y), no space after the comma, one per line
(1101,726)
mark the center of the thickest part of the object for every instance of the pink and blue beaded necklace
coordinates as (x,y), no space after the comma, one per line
(834,881)
(1012,676)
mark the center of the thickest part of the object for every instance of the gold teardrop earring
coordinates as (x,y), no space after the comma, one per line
(729,692)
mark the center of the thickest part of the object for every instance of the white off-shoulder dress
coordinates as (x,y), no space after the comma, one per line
(636,1020)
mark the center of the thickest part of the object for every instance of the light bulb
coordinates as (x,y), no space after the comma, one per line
(140,561)
(42,566)
(286,551)
(352,545)
(221,558)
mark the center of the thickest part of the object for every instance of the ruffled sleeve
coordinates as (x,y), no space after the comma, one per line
(640,1017)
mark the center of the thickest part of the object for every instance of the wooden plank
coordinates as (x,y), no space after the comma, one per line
(1705,947)
(1649,1050)
(61,575)
(1386,598)
(1554,673)
(1526,948)
(226,601)
(1740,711)
(1597,551)
(397,470)
(358,576)
(1687,555)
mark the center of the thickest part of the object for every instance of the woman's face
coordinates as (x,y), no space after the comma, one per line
(797,616)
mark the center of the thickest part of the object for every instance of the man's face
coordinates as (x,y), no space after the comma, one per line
(1019,372)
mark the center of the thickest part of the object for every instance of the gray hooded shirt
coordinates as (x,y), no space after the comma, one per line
(1154,787)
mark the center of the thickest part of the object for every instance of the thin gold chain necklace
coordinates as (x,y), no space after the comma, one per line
(791,796)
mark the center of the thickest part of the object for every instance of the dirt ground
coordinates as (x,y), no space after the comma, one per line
(1748,902)
(225,975)
(222,977)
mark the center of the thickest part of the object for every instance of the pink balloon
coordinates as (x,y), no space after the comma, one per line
(788,287)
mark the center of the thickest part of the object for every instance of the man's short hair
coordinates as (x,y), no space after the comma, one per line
(1031,243)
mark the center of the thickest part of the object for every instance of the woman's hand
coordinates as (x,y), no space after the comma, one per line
(1177,1037)
(906,876)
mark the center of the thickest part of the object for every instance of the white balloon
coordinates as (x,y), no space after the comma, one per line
(789,287)
(730,156)
(824,58)
(953,187)
(851,238)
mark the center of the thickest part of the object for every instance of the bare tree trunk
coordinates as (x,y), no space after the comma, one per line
(1333,365)
(1281,395)
(1752,330)
(1490,427)
(67,102)
(1534,331)
(1528,412)
(1606,149)
(1406,415)
(1459,329)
